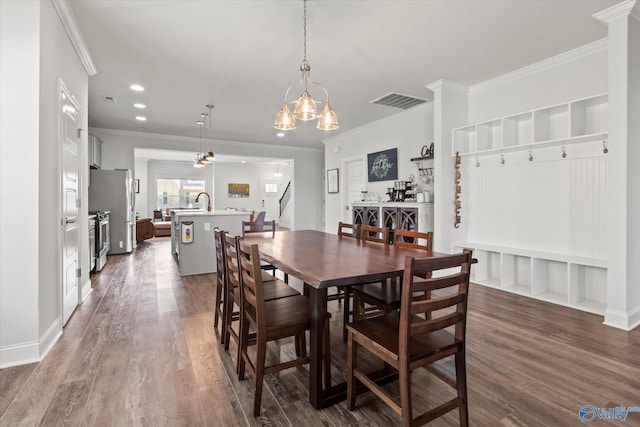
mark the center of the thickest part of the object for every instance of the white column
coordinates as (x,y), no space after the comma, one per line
(450,110)
(623,288)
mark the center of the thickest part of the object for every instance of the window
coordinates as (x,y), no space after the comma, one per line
(173,193)
(271,188)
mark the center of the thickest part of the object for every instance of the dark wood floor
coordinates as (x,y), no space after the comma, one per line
(141,350)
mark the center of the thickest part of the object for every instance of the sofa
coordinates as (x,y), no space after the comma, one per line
(144,229)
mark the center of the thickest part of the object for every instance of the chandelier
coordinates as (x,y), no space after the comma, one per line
(306,107)
(205,158)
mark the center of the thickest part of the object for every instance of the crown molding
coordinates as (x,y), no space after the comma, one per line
(545,64)
(68,19)
(448,85)
(191,139)
(619,10)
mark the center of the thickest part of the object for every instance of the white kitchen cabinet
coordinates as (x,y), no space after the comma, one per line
(95,152)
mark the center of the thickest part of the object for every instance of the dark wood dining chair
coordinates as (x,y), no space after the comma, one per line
(268,230)
(379,298)
(368,235)
(348,231)
(271,320)
(221,272)
(416,336)
(273,289)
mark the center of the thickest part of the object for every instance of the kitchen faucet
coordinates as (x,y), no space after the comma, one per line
(208,199)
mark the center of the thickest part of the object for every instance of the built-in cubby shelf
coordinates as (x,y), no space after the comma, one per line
(572,281)
(569,123)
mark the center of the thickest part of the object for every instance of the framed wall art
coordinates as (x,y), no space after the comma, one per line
(383,165)
(238,190)
(333,181)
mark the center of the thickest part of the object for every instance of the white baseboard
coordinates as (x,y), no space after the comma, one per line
(622,320)
(50,337)
(19,354)
(30,352)
(86,290)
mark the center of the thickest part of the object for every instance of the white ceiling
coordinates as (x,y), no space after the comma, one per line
(242,55)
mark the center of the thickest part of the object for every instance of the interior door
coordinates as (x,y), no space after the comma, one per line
(354,172)
(269,198)
(69,143)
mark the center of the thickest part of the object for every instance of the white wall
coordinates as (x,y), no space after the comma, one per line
(32,35)
(576,74)
(308,164)
(19,140)
(141,198)
(407,131)
(251,174)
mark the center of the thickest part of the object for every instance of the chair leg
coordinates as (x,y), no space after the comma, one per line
(404,382)
(352,356)
(346,311)
(461,386)
(218,302)
(242,349)
(227,323)
(260,360)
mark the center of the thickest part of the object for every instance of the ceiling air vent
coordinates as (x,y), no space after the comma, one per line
(398,101)
(109,99)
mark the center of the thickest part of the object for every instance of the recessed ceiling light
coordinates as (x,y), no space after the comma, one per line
(136,87)
(141,106)
(243,161)
(280,134)
(141,118)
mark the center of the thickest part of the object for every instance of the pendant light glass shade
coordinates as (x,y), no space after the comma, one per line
(306,107)
(210,157)
(328,119)
(285,120)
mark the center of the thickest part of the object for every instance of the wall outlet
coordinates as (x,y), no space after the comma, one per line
(207,226)
(121,244)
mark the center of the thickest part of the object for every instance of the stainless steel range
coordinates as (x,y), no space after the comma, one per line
(102,238)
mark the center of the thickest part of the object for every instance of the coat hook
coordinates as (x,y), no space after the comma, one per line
(530,156)
(477,163)
(502,159)
(564,152)
(605,149)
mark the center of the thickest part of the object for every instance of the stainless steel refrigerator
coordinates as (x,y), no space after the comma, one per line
(112,190)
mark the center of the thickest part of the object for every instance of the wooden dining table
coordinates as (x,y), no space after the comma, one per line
(323,261)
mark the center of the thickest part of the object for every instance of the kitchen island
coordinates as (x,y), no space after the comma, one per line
(192,239)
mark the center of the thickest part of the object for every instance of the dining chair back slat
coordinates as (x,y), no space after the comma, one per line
(369,233)
(268,228)
(349,230)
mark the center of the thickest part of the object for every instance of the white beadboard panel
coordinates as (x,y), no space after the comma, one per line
(551,204)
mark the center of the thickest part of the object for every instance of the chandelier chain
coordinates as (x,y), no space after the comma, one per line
(304,61)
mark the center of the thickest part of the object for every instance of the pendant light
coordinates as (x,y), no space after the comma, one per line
(209,156)
(306,107)
(198,162)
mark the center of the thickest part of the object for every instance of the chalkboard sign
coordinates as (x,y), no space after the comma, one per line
(383,165)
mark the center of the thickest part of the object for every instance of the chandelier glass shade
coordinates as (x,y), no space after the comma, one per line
(306,108)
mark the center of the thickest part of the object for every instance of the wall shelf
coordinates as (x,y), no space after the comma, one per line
(576,282)
(573,122)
